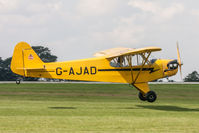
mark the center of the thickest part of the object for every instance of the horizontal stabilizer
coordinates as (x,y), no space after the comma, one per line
(31,69)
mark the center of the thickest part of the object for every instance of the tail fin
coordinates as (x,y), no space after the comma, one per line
(24,58)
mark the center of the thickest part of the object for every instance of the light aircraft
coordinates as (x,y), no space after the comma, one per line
(119,65)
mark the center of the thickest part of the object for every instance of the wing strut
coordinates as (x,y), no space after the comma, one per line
(143,63)
(130,62)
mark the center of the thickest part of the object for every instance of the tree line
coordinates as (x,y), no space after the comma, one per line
(46,56)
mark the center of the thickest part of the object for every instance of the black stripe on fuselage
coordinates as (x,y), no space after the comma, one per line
(42,71)
(128,69)
(151,70)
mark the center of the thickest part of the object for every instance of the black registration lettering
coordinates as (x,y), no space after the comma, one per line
(71,71)
(80,71)
(86,71)
(59,71)
(93,70)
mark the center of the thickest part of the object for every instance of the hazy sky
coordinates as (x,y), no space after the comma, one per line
(75,29)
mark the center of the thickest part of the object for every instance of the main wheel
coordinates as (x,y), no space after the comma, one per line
(151,96)
(141,97)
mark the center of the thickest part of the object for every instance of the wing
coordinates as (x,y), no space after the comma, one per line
(115,52)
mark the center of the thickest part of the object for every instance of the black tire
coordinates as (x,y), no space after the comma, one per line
(18,81)
(141,97)
(151,96)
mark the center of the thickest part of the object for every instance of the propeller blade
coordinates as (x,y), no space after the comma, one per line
(179,60)
(181,72)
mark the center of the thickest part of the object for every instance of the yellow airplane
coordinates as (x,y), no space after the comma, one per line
(119,65)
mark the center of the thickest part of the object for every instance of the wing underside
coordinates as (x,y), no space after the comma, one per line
(115,52)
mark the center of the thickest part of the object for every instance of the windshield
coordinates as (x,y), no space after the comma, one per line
(153,61)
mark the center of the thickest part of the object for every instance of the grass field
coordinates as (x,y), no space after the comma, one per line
(97,108)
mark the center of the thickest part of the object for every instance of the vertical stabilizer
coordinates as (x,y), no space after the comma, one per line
(24,57)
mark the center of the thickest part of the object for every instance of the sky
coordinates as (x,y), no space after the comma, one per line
(76,29)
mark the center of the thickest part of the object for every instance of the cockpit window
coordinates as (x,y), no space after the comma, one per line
(128,60)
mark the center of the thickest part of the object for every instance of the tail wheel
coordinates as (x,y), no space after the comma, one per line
(141,97)
(151,96)
(18,81)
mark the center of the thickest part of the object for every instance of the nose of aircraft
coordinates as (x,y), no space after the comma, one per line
(172,65)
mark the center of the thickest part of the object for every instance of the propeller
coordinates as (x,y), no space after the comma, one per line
(179,60)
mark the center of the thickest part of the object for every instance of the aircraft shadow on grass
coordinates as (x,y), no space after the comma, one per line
(62,107)
(167,108)
(153,107)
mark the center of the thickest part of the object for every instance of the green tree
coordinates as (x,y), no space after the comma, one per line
(192,77)
(1,69)
(44,53)
(5,73)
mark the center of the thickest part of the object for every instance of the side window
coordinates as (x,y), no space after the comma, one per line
(121,61)
(137,60)
(114,62)
(124,61)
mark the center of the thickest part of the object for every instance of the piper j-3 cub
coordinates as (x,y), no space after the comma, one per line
(119,65)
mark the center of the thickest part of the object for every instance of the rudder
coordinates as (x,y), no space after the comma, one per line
(24,57)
